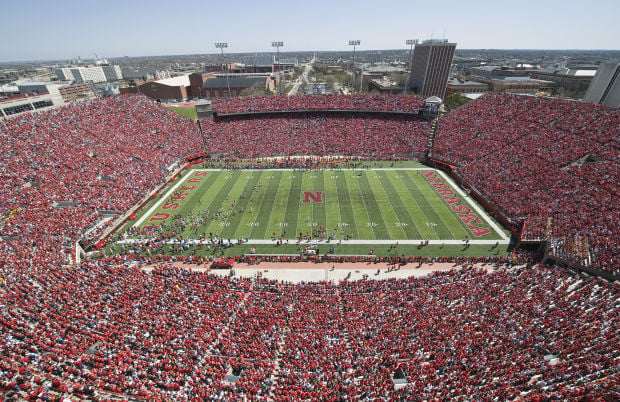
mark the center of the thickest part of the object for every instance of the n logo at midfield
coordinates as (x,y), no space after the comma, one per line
(317,196)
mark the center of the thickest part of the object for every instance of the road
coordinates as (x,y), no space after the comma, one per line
(303,78)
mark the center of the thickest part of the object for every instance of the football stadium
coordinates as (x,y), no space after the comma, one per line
(311,247)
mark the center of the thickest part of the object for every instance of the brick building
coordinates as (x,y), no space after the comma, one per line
(217,87)
(384,86)
(196,83)
(204,85)
(71,93)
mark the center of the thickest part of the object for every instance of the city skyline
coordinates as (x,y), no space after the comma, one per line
(67,29)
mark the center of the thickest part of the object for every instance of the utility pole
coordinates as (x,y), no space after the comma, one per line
(278,45)
(353,43)
(221,46)
(411,43)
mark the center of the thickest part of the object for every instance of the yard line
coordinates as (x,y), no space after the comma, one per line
(385,204)
(236,230)
(332,204)
(264,210)
(277,218)
(362,207)
(293,202)
(417,194)
(233,192)
(346,206)
(217,201)
(319,214)
(402,211)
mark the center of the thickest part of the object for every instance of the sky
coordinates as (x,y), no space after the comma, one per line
(65,29)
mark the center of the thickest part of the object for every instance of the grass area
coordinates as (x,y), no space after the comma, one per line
(348,211)
(187,111)
(433,250)
(268,162)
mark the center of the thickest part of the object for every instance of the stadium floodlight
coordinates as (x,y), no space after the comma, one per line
(221,46)
(278,45)
(410,42)
(354,43)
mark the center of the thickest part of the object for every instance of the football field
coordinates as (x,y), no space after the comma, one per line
(348,206)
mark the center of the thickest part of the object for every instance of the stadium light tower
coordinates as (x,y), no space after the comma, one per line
(278,45)
(353,43)
(410,42)
(221,46)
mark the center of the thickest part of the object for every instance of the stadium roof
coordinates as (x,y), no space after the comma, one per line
(34,83)
(585,73)
(473,96)
(382,69)
(234,82)
(182,80)
(456,81)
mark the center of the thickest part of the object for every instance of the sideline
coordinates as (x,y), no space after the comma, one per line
(297,272)
(414,242)
(474,205)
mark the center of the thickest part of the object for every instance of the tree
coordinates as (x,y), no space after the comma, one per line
(258,89)
(329,80)
(455,100)
(399,78)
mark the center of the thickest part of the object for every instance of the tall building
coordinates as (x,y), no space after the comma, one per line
(605,86)
(373,57)
(112,72)
(430,66)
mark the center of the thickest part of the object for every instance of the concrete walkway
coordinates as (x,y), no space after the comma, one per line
(313,272)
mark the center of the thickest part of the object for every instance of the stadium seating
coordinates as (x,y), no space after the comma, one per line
(174,334)
(395,103)
(63,167)
(530,156)
(318,134)
(105,327)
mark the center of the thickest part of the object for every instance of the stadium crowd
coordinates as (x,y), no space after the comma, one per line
(280,103)
(318,134)
(106,327)
(62,168)
(552,163)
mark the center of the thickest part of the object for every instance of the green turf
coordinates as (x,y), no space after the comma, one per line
(358,205)
(436,250)
(372,208)
(187,111)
